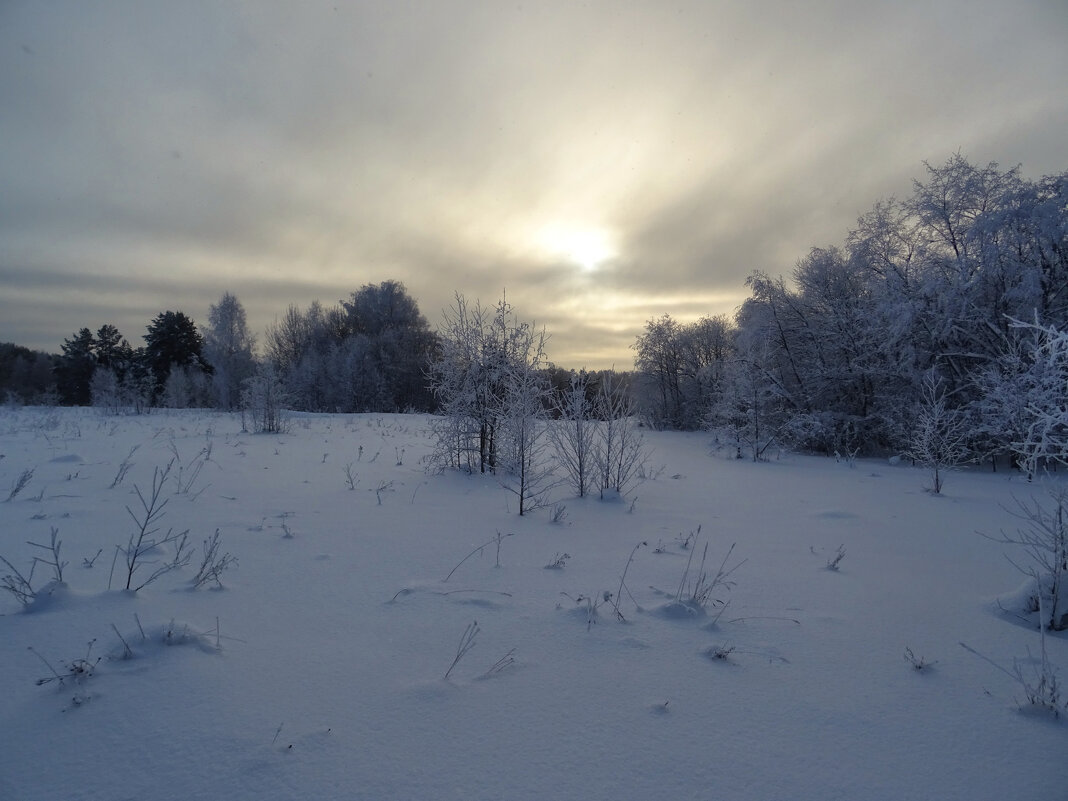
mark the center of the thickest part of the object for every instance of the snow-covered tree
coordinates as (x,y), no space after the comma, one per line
(939,437)
(680,368)
(228,348)
(479,351)
(105,392)
(185,388)
(619,449)
(526,466)
(1045,430)
(369,353)
(749,416)
(574,433)
(265,399)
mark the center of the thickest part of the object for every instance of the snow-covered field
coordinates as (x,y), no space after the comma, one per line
(317,671)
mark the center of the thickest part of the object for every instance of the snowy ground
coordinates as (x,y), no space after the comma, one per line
(318,672)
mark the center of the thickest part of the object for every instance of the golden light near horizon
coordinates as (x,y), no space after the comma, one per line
(586,247)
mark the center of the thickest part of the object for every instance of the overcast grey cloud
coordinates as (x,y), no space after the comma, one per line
(605,162)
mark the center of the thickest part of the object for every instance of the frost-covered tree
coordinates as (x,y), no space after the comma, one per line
(1045,384)
(680,368)
(526,466)
(186,388)
(369,353)
(480,350)
(393,347)
(265,399)
(229,349)
(750,415)
(930,281)
(105,391)
(940,431)
(620,454)
(574,433)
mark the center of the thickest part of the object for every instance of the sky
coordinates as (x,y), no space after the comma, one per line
(602,163)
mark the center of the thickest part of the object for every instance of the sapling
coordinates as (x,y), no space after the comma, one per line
(573,433)
(144,540)
(939,439)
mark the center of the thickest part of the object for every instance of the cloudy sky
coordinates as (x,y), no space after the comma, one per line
(603,162)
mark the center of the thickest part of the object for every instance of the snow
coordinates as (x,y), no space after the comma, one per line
(317,670)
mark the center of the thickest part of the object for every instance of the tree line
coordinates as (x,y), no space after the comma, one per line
(368,353)
(951,298)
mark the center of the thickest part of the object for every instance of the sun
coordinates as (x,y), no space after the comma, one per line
(587,247)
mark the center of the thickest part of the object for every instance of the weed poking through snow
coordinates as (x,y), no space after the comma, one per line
(917,662)
(558,561)
(19,484)
(467,642)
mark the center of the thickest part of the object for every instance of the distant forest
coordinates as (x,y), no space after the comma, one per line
(939,322)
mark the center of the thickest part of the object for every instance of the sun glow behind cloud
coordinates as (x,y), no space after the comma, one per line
(586,247)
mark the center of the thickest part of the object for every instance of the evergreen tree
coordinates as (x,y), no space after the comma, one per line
(173,341)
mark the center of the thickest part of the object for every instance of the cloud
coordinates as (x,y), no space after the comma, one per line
(157,154)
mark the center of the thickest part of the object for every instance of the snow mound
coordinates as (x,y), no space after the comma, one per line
(1022,601)
(680,610)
